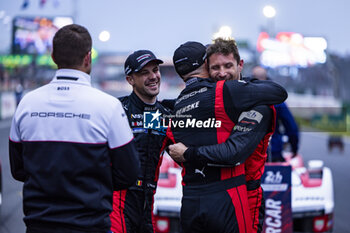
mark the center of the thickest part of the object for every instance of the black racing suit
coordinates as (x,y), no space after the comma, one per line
(132,208)
(215,197)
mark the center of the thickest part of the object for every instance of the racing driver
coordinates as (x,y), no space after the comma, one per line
(132,207)
(214,195)
(224,63)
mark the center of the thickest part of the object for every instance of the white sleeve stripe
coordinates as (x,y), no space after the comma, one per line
(14,140)
(91,143)
(122,144)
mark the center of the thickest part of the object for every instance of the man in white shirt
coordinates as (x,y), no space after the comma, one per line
(71,145)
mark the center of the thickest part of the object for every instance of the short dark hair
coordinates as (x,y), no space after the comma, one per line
(70,45)
(224,46)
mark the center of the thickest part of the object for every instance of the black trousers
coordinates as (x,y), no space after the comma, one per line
(221,207)
(132,213)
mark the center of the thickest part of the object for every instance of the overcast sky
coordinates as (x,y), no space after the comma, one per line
(162,25)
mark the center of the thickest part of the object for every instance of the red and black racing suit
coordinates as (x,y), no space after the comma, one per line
(254,165)
(133,207)
(254,169)
(215,197)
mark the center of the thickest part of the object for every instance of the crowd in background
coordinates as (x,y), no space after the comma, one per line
(329,79)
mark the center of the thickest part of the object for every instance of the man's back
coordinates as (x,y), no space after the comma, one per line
(218,106)
(65,133)
(214,191)
(205,122)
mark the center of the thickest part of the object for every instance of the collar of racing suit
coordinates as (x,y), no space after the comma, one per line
(136,100)
(71,75)
(194,79)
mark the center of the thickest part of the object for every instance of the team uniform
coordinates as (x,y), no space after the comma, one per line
(254,169)
(215,196)
(70,151)
(254,164)
(133,207)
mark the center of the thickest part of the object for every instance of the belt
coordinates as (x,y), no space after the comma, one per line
(222,185)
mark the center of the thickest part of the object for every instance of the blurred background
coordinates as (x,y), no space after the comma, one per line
(302,44)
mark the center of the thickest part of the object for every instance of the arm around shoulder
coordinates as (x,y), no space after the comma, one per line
(247,94)
(247,134)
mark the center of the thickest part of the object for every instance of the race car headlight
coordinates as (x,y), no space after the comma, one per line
(323,223)
(162,224)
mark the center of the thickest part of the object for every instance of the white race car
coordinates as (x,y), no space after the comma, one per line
(167,200)
(312,196)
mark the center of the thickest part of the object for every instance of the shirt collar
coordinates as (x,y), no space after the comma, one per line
(82,78)
(139,102)
(192,80)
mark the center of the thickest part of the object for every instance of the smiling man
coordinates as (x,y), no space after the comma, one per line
(132,208)
(142,70)
(224,61)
